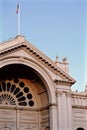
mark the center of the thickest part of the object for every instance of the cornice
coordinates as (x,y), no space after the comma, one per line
(63,82)
(79,106)
(79,94)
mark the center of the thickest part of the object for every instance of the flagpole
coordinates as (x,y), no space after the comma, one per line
(19,20)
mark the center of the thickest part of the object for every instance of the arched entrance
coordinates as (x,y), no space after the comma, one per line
(79,128)
(24,102)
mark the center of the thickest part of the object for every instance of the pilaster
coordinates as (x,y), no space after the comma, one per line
(53,117)
(64,109)
(69,108)
(59,110)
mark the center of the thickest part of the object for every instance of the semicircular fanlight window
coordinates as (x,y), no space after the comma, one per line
(19,90)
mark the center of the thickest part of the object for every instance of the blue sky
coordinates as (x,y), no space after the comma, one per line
(56,27)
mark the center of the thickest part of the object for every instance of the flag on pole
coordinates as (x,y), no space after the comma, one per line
(18,12)
(17,9)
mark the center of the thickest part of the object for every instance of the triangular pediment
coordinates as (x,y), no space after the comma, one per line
(19,43)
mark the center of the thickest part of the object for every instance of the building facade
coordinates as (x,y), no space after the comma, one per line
(35,92)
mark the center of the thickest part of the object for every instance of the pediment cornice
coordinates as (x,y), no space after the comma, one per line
(20,43)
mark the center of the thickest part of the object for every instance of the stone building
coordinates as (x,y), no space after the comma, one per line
(35,92)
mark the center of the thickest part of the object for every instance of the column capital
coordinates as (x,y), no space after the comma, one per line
(59,92)
(68,94)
